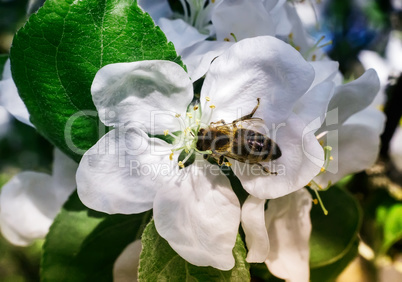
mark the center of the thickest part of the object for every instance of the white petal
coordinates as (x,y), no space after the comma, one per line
(199,216)
(355,146)
(301,160)
(198,57)
(313,105)
(289,227)
(243,18)
(371,59)
(125,268)
(64,170)
(253,223)
(147,92)
(9,97)
(324,71)
(355,96)
(180,33)
(278,76)
(121,174)
(156,8)
(28,207)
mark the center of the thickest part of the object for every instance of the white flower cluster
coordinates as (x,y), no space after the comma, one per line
(246,51)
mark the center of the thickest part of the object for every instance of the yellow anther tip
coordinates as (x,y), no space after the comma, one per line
(331,158)
(177,115)
(315,201)
(322,169)
(208,98)
(212,106)
(180,164)
(189,115)
(171,156)
(290,35)
(166,132)
(228,164)
(195,107)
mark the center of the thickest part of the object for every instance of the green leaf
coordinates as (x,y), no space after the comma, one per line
(56,55)
(333,235)
(331,271)
(159,262)
(82,245)
(392,228)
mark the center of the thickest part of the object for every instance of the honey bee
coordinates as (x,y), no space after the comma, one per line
(235,141)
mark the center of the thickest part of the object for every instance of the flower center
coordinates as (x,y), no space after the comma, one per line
(187,140)
(198,13)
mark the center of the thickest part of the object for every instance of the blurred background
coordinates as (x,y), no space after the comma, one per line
(364,33)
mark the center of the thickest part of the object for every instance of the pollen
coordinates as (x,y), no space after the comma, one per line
(208,98)
(181,164)
(195,107)
(171,156)
(177,115)
(212,106)
(166,132)
(190,115)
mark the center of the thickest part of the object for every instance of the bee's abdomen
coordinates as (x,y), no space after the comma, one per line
(254,146)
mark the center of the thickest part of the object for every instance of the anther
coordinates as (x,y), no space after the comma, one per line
(331,158)
(197,122)
(228,164)
(195,107)
(171,156)
(208,98)
(314,57)
(212,106)
(226,39)
(322,169)
(315,201)
(290,35)
(177,115)
(181,164)
(190,115)
(166,132)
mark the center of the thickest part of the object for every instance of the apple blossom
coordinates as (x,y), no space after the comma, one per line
(31,200)
(130,170)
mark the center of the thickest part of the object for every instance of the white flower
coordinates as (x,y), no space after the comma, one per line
(195,209)
(30,201)
(352,129)
(183,30)
(9,97)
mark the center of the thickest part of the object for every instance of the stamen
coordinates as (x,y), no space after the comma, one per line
(318,196)
(313,58)
(166,132)
(171,156)
(180,164)
(197,122)
(228,164)
(177,115)
(208,98)
(226,39)
(315,201)
(212,106)
(323,169)
(190,115)
(195,107)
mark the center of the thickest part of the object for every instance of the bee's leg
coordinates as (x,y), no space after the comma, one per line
(218,122)
(266,170)
(250,115)
(221,160)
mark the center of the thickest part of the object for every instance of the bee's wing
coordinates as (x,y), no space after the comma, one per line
(255,124)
